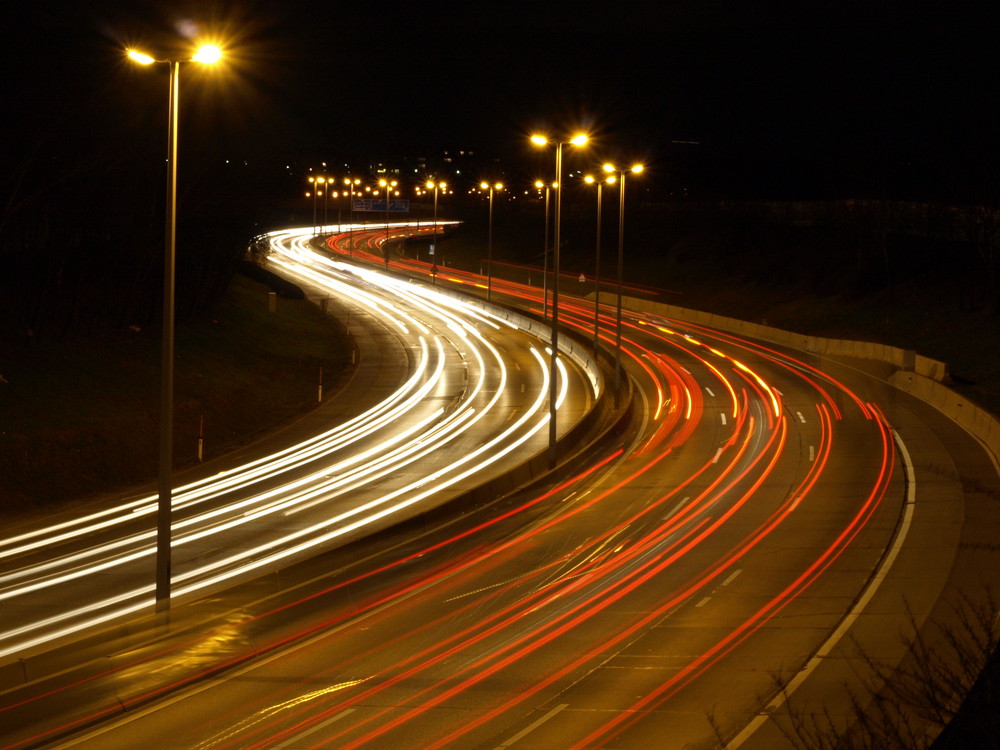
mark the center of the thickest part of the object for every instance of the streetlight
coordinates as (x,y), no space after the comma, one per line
(541,140)
(387,185)
(351,184)
(489,243)
(431,184)
(326,197)
(335,194)
(591,180)
(545,249)
(315,194)
(207,55)
(612,169)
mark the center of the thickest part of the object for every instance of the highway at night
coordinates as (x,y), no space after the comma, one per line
(745,511)
(471,401)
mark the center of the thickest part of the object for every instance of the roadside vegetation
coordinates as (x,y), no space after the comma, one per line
(81,416)
(924,699)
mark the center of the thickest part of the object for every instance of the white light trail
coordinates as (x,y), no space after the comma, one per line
(407,428)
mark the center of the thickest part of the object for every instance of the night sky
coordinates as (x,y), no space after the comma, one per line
(796,99)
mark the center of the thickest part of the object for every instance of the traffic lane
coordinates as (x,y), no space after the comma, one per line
(931,546)
(700,670)
(947,555)
(350,599)
(477,699)
(233,543)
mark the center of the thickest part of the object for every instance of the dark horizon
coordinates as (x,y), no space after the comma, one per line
(826,99)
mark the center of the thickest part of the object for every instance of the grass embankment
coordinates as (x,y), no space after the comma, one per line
(83,417)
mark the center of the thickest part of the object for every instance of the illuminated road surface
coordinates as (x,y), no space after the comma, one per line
(756,505)
(473,404)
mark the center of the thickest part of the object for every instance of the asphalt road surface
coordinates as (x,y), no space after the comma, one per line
(758,518)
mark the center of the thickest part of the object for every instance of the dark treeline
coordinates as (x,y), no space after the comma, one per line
(889,249)
(851,248)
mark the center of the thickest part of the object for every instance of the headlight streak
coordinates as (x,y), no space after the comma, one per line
(398,403)
(822,562)
(226,486)
(601,465)
(502,444)
(332,480)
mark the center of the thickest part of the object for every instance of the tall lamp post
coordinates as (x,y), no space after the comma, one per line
(545,248)
(612,169)
(316,192)
(207,54)
(489,241)
(541,140)
(388,186)
(326,199)
(351,185)
(591,180)
(435,185)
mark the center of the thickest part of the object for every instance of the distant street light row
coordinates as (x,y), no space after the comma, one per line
(320,186)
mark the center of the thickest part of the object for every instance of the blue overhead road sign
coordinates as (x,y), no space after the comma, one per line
(400,205)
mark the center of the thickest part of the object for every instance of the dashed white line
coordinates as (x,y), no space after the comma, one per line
(533,726)
(732,576)
(866,596)
(677,507)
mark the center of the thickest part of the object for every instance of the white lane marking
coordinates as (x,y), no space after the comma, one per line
(812,453)
(802,419)
(854,614)
(732,576)
(703,602)
(677,507)
(709,391)
(717,454)
(533,726)
(723,418)
(299,737)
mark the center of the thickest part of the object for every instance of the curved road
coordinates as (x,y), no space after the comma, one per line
(762,511)
(472,402)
